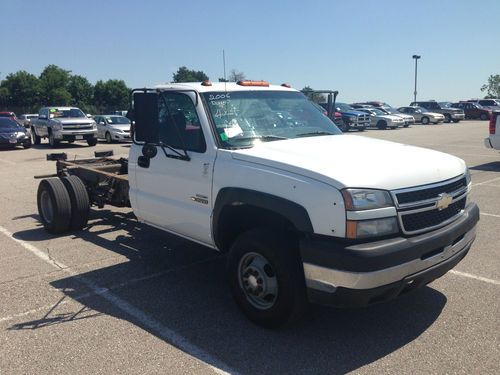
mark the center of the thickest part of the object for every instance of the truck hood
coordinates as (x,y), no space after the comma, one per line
(352,113)
(454,110)
(355,161)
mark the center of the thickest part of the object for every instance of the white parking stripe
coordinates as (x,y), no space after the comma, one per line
(486,182)
(471,276)
(160,330)
(492,215)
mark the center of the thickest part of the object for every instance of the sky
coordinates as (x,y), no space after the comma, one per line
(361,48)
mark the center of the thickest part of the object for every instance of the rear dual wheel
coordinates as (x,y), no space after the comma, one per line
(63,204)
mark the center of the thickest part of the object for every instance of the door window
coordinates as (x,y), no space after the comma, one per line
(179,123)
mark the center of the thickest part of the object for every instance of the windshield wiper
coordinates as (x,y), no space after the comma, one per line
(313,134)
(264,138)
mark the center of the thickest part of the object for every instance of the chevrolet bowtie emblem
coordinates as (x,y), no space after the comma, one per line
(444,201)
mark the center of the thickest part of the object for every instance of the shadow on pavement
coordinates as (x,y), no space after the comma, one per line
(188,295)
(488,167)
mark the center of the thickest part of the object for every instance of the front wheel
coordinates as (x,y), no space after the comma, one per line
(447,117)
(484,116)
(52,141)
(425,120)
(92,141)
(361,129)
(35,139)
(266,277)
(455,121)
(382,125)
(108,138)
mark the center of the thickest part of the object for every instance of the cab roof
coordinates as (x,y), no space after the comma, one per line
(220,87)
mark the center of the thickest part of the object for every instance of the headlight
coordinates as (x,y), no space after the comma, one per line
(94,125)
(467,177)
(371,228)
(364,199)
(57,126)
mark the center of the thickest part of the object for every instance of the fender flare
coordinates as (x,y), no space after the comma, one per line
(230,196)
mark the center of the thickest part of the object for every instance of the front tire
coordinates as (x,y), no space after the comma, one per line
(425,120)
(108,138)
(455,121)
(52,141)
(382,125)
(266,277)
(54,205)
(447,117)
(484,116)
(35,139)
(92,142)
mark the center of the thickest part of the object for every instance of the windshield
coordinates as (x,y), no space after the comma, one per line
(66,113)
(378,111)
(241,118)
(422,109)
(117,120)
(8,124)
(445,104)
(343,107)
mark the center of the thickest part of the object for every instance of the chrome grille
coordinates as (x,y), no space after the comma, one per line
(418,208)
(77,126)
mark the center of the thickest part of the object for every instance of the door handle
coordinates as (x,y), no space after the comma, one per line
(143,162)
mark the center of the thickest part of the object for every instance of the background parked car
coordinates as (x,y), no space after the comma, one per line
(13,134)
(337,116)
(489,103)
(409,119)
(450,114)
(25,119)
(113,128)
(11,115)
(493,140)
(382,120)
(474,110)
(422,115)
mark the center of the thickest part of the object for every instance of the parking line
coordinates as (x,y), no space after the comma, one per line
(486,182)
(471,276)
(160,330)
(492,215)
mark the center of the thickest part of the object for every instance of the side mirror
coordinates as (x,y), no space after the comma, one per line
(149,150)
(89,115)
(145,114)
(102,123)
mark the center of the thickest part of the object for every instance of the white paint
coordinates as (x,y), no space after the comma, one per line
(486,182)
(160,330)
(493,215)
(471,276)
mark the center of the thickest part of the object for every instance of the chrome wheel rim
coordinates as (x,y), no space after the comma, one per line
(258,281)
(46,206)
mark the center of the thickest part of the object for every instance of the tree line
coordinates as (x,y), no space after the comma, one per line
(23,92)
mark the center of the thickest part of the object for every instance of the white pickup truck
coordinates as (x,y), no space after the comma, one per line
(252,170)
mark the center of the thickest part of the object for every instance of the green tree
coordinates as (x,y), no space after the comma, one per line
(81,91)
(309,92)
(183,74)
(21,89)
(53,83)
(492,87)
(112,94)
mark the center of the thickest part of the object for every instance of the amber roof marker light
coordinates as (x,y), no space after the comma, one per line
(253,83)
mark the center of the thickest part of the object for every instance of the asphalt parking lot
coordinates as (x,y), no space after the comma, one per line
(120,297)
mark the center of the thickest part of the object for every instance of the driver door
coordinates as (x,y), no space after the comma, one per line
(173,192)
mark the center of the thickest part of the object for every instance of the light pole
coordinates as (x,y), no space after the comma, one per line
(416,57)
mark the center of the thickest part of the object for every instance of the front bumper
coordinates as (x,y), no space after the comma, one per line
(458,116)
(75,135)
(356,275)
(120,136)
(15,141)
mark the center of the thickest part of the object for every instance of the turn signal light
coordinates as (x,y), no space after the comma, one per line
(253,83)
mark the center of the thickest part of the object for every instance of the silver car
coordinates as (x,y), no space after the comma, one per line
(422,115)
(113,128)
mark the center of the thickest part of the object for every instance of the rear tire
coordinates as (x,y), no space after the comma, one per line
(54,205)
(35,138)
(425,120)
(266,277)
(92,142)
(80,203)
(361,129)
(27,144)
